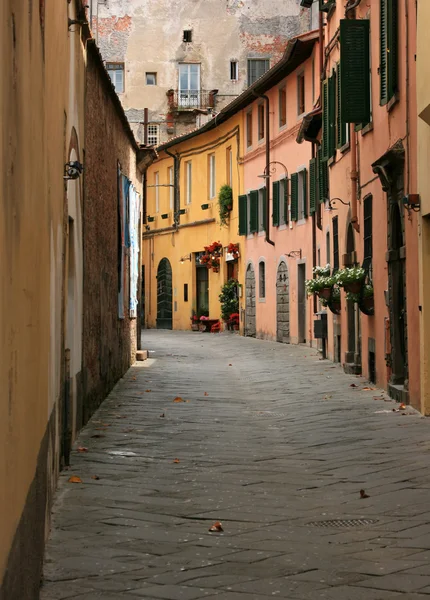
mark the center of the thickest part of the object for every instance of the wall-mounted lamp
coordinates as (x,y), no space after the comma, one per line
(332,201)
(73,170)
(295,254)
(412,202)
(186,257)
(270,169)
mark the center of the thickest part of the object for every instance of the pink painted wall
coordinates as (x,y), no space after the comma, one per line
(293,236)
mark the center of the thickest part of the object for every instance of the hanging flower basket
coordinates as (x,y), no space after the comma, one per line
(335,307)
(367,301)
(325,293)
(351,279)
(353,287)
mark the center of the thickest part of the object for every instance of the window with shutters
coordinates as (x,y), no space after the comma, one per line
(301,106)
(243,214)
(249,129)
(355,70)
(275,203)
(329,118)
(171,188)
(229,166)
(282,103)
(389,49)
(262,209)
(335,244)
(327,247)
(294,196)
(262,280)
(253,211)
(368,232)
(256,68)
(342,129)
(188,181)
(302,200)
(312,185)
(322,177)
(116,73)
(260,122)
(283,202)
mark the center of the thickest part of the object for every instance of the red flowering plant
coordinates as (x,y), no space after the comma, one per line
(234,319)
(233,249)
(211,257)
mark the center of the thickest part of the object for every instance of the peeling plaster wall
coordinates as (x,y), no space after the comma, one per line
(147,37)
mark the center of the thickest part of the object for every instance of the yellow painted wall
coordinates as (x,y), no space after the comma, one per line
(423,101)
(198,227)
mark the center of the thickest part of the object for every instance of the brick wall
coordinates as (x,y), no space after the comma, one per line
(109,343)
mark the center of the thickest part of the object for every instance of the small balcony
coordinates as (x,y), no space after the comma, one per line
(189,100)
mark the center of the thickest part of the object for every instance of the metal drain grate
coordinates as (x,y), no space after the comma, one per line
(344,523)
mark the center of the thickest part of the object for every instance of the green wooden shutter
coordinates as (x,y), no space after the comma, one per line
(264,209)
(275,215)
(393,47)
(253,216)
(341,137)
(325,122)
(294,196)
(355,68)
(312,185)
(322,175)
(286,188)
(305,192)
(383,37)
(332,115)
(243,215)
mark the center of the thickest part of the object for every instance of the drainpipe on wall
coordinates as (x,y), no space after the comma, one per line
(354,177)
(176,197)
(267,169)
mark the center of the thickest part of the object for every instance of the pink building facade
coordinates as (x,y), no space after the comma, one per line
(348,152)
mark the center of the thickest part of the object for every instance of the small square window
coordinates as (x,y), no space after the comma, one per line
(188,36)
(234,70)
(151,79)
(152,134)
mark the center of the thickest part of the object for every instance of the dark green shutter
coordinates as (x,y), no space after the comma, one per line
(322,176)
(312,185)
(332,115)
(286,186)
(253,216)
(275,215)
(243,215)
(383,37)
(393,47)
(341,137)
(264,208)
(355,68)
(294,196)
(325,122)
(305,192)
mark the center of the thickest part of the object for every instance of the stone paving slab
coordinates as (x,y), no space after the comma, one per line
(271,441)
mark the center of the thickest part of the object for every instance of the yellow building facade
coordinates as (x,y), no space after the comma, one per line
(423,99)
(183,217)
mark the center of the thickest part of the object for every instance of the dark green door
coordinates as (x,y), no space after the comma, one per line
(164,295)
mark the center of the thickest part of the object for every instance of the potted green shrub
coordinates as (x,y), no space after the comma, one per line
(225,203)
(229,299)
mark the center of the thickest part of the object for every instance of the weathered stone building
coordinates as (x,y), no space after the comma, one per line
(179,58)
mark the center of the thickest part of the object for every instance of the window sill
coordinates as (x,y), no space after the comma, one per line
(392,102)
(301,115)
(282,227)
(263,300)
(345,148)
(369,127)
(282,127)
(331,160)
(261,141)
(261,233)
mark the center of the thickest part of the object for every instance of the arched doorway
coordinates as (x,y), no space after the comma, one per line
(250,323)
(396,277)
(164,295)
(282,304)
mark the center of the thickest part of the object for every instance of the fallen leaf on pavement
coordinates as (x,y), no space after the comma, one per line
(120,417)
(178,399)
(230,365)
(216,527)
(133,378)
(402,406)
(147,391)
(95,477)
(326,397)
(82,449)
(75,479)
(367,389)
(176,460)
(206,394)
(353,385)
(363,494)
(162,416)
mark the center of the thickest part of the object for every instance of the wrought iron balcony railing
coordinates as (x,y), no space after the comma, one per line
(191,99)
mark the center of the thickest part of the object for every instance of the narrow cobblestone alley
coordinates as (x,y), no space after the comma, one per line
(270,441)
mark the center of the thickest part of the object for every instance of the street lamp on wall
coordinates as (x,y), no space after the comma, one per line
(270,169)
(186,257)
(331,201)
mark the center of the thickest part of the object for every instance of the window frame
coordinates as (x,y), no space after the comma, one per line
(212,176)
(171,174)
(261,280)
(234,70)
(187,33)
(282,106)
(114,67)
(249,129)
(157,191)
(301,91)
(261,129)
(155,136)
(302,187)
(229,166)
(151,73)
(188,182)
(255,60)
(261,209)
(283,202)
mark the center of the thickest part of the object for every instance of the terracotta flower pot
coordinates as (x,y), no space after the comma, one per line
(335,307)
(325,293)
(367,305)
(353,287)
